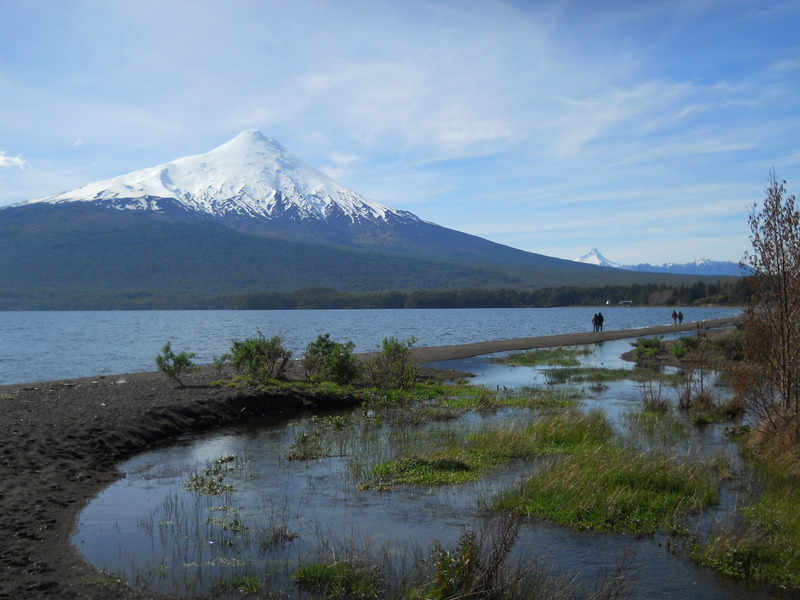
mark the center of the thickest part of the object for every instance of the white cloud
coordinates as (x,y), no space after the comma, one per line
(13,161)
(511,120)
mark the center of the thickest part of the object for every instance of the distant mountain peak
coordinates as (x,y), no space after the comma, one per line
(593,257)
(250,176)
(700,266)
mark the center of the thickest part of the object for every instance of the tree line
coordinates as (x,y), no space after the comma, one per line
(727,291)
(723,292)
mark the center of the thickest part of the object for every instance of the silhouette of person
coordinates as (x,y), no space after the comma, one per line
(680,317)
(594,323)
(600,321)
(674,317)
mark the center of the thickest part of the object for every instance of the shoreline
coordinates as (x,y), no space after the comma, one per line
(62,441)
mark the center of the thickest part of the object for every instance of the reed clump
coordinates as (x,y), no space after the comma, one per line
(614,490)
(762,541)
(554,357)
(340,579)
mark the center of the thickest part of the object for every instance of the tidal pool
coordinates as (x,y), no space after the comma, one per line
(255,513)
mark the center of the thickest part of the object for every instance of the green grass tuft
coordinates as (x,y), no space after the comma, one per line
(340,580)
(617,491)
(554,357)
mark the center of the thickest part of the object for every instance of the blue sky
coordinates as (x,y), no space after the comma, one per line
(646,129)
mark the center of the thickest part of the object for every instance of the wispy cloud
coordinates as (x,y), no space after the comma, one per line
(13,161)
(540,125)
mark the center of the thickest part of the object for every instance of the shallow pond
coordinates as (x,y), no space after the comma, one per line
(280,513)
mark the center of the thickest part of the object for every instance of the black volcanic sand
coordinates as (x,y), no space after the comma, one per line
(61,441)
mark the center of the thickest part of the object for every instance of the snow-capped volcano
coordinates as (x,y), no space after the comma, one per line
(593,257)
(251,176)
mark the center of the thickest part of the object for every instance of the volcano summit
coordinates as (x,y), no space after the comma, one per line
(246,217)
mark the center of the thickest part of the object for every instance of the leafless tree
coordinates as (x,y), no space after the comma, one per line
(769,380)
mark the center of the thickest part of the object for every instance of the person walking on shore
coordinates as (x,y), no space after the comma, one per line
(674,318)
(600,321)
(594,323)
(680,317)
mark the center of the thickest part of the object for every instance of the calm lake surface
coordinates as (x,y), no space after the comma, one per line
(149,528)
(45,346)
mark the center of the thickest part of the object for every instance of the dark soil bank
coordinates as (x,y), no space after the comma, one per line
(61,441)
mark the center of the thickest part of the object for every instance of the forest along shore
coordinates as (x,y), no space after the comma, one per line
(61,441)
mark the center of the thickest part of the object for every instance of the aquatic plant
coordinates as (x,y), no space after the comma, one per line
(761,542)
(618,491)
(211,479)
(340,579)
(243,584)
(554,357)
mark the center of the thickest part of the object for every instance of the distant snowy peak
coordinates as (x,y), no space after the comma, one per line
(699,266)
(593,257)
(249,176)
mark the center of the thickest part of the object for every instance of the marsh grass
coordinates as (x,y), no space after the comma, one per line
(554,357)
(211,480)
(763,542)
(435,435)
(340,579)
(614,490)
(483,399)
(442,469)
(465,458)
(541,397)
(470,398)
(309,445)
(708,408)
(243,584)
(653,430)
(570,431)
(108,582)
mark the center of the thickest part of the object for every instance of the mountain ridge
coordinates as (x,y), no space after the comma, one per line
(248,175)
(215,223)
(701,266)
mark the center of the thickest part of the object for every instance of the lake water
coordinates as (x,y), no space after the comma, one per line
(45,346)
(148,528)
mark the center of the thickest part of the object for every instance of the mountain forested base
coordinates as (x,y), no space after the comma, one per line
(727,292)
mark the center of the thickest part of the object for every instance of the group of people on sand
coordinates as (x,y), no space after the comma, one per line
(677,317)
(597,322)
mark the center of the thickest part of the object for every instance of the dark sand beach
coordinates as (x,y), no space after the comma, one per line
(61,441)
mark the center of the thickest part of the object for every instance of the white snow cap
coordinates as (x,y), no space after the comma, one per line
(593,257)
(243,175)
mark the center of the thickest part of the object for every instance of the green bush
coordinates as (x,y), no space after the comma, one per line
(174,366)
(647,347)
(260,359)
(327,360)
(393,367)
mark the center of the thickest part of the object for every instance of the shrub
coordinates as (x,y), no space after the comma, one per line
(259,359)
(329,360)
(174,366)
(393,367)
(647,347)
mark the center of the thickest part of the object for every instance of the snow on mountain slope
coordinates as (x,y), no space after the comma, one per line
(700,266)
(593,257)
(249,176)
